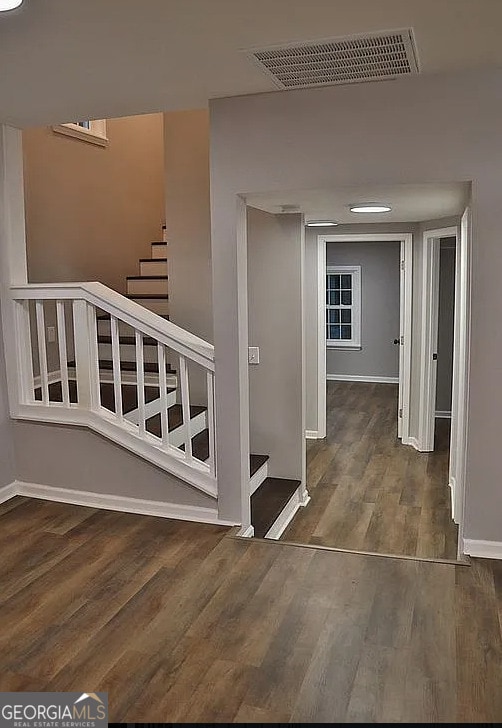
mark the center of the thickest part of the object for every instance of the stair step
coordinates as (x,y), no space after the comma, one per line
(174,417)
(154,302)
(200,450)
(129,395)
(127,340)
(268,502)
(159,250)
(146,286)
(106,317)
(255,463)
(127,366)
(153,266)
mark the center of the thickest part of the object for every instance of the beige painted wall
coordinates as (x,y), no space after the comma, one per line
(188,220)
(275,326)
(91,212)
(382,133)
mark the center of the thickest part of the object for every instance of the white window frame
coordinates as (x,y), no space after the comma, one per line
(355,272)
(96,134)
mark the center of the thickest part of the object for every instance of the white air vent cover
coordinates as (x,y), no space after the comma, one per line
(383,55)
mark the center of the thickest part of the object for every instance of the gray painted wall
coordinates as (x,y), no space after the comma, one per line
(275,313)
(7,472)
(386,133)
(378,356)
(77,459)
(445,325)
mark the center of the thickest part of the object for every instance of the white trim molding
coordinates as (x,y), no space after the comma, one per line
(429,333)
(95,134)
(8,491)
(299,499)
(405,318)
(123,504)
(245,532)
(361,378)
(482,549)
(313,435)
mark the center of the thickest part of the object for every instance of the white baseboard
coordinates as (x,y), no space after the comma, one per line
(443,414)
(122,504)
(361,378)
(483,549)
(8,491)
(412,441)
(299,499)
(245,532)
(312,434)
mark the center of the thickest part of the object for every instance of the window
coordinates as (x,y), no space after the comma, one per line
(343,306)
(93,131)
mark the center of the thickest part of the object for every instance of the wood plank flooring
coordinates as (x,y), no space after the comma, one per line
(368,491)
(181,622)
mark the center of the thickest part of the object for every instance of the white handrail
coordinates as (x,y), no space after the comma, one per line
(149,323)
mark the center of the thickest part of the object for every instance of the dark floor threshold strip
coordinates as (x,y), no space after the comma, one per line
(466,561)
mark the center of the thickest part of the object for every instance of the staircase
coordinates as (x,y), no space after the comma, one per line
(120,367)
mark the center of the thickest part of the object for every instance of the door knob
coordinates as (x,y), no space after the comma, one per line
(396,341)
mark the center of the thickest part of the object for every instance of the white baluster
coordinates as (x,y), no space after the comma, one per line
(24,351)
(117,377)
(210,423)
(95,387)
(82,357)
(140,382)
(185,406)
(42,351)
(63,357)
(161,357)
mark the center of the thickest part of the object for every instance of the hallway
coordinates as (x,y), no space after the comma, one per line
(369,492)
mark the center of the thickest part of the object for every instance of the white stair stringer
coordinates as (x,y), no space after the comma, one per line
(258,478)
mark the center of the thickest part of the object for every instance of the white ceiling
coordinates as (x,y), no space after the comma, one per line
(410,203)
(63,59)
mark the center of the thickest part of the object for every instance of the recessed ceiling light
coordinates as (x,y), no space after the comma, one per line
(320,223)
(9,4)
(370,207)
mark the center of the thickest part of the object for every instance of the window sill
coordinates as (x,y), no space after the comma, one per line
(78,132)
(343,347)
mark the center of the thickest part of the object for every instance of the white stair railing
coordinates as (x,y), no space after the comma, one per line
(59,378)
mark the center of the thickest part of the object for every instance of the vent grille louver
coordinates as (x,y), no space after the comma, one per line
(374,57)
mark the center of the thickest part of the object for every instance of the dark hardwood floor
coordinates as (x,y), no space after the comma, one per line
(368,491)
(181,622)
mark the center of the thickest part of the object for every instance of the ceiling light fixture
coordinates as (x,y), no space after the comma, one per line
(9,5)
(320,223)
(370,207)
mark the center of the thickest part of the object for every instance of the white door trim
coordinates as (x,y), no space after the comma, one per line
(461,367)
(406,313)
(429,334)
(321,337)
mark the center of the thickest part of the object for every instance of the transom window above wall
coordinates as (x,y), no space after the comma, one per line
(92,131)
(343,306)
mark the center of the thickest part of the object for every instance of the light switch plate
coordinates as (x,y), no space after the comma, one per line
(253,355)
(51,334)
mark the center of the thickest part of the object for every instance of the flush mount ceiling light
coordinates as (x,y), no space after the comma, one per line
(370,207)
(320,223)
(9,5)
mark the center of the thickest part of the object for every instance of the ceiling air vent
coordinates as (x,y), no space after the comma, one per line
(376,57)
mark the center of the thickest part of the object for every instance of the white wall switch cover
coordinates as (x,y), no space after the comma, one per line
(254,355)
(51,334)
